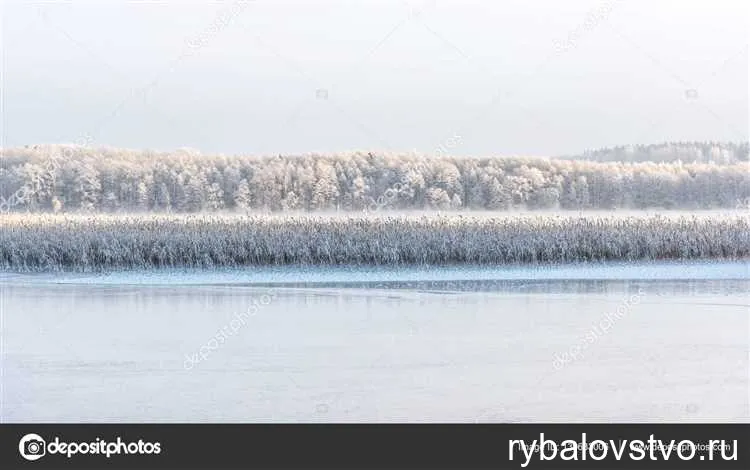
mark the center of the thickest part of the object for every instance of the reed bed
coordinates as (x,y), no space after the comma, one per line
(45,242)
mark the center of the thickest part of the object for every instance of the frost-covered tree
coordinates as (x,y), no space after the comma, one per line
(687,152)
(116,180)
(163,200)
(242,198)
(438,198)
(214,197)
(325,192)
(196,193)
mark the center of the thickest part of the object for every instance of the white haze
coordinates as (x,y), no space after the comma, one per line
(323,76)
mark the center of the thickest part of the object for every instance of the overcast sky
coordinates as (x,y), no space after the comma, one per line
(533,77)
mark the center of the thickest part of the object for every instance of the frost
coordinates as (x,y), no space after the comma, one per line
(104,242)
(75,179)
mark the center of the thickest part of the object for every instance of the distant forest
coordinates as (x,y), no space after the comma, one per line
(686,152)
(55,178)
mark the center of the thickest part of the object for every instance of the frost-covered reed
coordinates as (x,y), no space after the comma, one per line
(67,242)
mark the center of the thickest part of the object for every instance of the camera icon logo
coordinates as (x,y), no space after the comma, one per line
(32,447)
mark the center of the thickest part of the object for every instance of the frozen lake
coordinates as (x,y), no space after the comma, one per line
(572,343)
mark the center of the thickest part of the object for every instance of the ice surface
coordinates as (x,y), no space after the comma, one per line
(326,274)
(119,353)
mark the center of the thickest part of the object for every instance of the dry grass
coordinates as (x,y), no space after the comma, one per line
(97,242)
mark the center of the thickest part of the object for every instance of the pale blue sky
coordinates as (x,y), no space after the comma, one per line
(281,76)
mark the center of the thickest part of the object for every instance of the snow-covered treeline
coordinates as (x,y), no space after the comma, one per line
(69,179)
(102,242)
(687,152)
